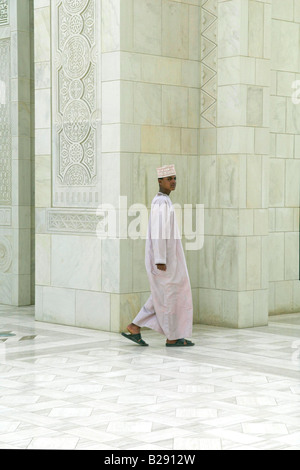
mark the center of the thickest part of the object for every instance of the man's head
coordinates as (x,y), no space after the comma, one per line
(167,178)
(167,184)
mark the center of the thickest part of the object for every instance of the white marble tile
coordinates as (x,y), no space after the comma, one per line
(264,428)
(235,140)
(284,56)
(201,413)
(147,40)
(42,50)
(147,103)
(110,25)
(84,389)
(256,29)
(174,106)
(282,11)
(42,111)
(56,305)
(175,37)
(76,262)
(43,255)
(128,427)
(93,310)
(195,443)
(76,388)
(232,100)
(257,401)
(229,28)
(53,443)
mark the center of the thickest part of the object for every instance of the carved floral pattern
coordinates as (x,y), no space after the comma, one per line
(75,101)
(5,125)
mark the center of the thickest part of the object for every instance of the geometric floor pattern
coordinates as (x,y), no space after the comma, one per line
(71,388)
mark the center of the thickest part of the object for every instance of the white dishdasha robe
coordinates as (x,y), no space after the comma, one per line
(169,309)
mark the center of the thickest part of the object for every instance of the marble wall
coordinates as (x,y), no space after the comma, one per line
(284,286)
(151,117)
(121,87)
(16,154)
(234,159)
(139,78)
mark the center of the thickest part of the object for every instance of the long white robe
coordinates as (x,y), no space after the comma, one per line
(169,309)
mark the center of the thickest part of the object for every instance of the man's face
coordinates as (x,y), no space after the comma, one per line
(168,183)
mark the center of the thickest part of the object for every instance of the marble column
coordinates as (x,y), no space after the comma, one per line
(16,148)
(234,154)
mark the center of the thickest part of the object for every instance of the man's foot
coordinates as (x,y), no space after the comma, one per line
(179,343)
(135,335)
(133,329)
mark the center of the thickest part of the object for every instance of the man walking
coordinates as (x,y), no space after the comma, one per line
(169,309)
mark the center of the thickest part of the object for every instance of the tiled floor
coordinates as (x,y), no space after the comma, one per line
(63,387)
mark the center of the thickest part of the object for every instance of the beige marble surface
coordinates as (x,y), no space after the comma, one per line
(206,85)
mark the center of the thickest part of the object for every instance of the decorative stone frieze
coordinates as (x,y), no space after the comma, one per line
(74,222)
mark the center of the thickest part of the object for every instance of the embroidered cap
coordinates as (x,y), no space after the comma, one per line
(165,171)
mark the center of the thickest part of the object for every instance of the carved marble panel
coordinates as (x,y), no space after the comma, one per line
(5,254)
(5,216)
(63,221)
(209,55)
(76,102)
(3,12)
(5,125)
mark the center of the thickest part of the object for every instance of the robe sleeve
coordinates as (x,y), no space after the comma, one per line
(160,221)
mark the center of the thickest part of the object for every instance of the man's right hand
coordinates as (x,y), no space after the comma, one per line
(162,267)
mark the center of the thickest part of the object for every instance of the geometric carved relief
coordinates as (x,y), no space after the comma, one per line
(73,221)
(76,102)
(5,125)
(3,12)
(209,55)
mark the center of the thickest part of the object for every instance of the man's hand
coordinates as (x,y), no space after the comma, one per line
(162,267)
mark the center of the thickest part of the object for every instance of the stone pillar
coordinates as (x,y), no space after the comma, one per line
(234,153)
(15,152)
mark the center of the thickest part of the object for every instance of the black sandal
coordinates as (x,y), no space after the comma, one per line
(180,343)
(136,339)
